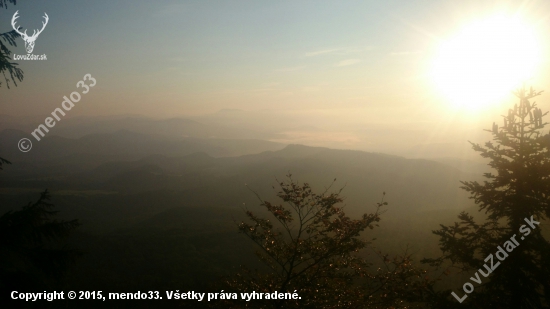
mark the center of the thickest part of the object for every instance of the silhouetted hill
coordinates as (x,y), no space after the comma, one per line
(411,184)
(142,198)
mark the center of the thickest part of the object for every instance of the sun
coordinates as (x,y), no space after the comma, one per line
(487,59)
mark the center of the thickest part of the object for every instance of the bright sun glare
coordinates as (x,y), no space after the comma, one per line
(486,60)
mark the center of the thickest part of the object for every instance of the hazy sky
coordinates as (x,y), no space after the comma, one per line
(341,62)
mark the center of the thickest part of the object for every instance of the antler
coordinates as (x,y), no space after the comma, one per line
(15,16)
(24,34)
(43,25)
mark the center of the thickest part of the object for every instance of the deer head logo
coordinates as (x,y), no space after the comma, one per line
(29,40)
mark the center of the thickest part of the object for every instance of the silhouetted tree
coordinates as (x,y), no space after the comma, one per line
(7,67)
(313,248)
(515,200)
(3,161)
(9,70)
(31,258)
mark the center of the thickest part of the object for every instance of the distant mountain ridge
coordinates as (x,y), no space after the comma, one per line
(125,143)
(411,184)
